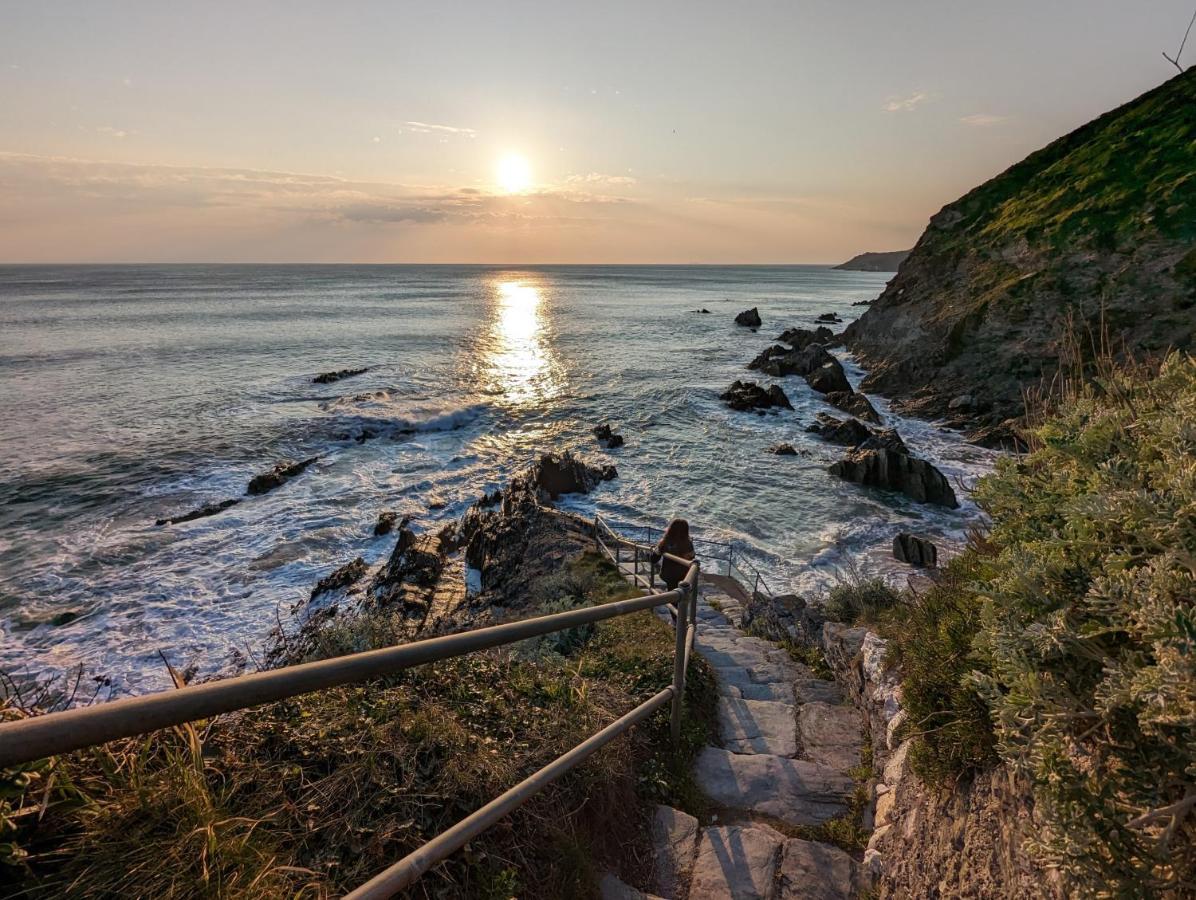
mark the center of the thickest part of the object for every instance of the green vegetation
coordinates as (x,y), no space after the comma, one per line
(310,797)
(1064,642)
(856,600)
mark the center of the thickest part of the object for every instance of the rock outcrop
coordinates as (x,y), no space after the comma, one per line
(278,476)
(800,338)
(386,522)
(1090,236)
(889,469)
(854,433)
(329,377)
(346,575)
(829,378)
(854,403)
(607,437)
(886,261)
(208,509)
(919,552)
(747,395)
(749,318)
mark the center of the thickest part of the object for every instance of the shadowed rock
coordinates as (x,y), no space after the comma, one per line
(780,361)
(853,433)
(386,522)
(783,450)
(916,551)
(747,395)
(276,477)
(884,468)
(749,318)
(799,338)
(737,862)
(855,403)
(346,575)
(814,871)
(209,509)
(329,377)
(829,378)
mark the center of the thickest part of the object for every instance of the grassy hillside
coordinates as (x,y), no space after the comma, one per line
(1093,234)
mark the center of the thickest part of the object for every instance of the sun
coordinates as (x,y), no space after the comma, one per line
(513,174)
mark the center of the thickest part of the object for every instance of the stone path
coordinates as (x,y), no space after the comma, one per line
(787,741)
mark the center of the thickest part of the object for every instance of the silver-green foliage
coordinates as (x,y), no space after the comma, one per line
(1086,652)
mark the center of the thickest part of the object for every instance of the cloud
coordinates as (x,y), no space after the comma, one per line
(599,178)
(983,120)
(29,183)
(109,131)
(905,104)
(430,128)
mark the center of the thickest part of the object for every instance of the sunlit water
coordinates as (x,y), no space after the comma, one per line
(129,393)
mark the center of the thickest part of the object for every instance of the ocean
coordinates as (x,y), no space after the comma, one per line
(131,393)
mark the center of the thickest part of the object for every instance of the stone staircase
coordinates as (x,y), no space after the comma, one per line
(786,743)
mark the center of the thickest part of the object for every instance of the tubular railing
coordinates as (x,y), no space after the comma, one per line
(735,564)
(34,738)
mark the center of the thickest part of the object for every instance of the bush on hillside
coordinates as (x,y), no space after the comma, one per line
(1074,627)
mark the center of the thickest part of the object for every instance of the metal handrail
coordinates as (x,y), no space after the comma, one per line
(36,737)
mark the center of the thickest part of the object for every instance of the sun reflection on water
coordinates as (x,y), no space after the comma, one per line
(520,363)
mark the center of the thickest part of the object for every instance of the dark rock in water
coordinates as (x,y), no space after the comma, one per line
(747,395)
(409,577)
(783,450)
(749,318)
(855,403)
(209,509)
(853,433)
(563,473)
(386,522)
(799,338)
(64,618)
(276,477)
(606,436)
(780,361)
(849,432)
(828,317)
(341,578)
(703,311)
(916,551)
(329,377)
(883,468)
(829,378)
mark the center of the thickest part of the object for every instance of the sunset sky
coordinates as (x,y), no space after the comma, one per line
(529,132)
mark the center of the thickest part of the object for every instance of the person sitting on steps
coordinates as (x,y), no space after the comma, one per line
(675,542)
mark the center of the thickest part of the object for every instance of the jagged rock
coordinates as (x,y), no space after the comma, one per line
(674,838)
(209,509)
(783,450)
(853,433)
(279,475)
(386,522)
(829,317)
(749,318)
(616,440)
(884,468)
(607,437)
(815,871)
(346,575)
(747,395)
(563,473)
(780,361)
(829,378)
(800,338)
(737,862)
(329,377)
(855,403)
(410,574)
(916,551)
(794,791)
(703,310)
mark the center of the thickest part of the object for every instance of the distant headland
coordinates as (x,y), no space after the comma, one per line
(876,262)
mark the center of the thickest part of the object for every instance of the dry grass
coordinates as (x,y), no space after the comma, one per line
(312,796)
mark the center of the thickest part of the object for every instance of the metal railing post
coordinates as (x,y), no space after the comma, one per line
(730,556)
(679,663)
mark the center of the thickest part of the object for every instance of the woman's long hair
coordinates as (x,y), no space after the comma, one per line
(677,534)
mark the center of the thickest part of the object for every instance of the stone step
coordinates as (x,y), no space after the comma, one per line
(674,842)
(737,862)
(830,735)
(814,871)
(794,791)
(757,726)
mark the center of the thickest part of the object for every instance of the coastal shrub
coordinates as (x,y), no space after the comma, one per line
(860,600)
(309,797)
(1065,641)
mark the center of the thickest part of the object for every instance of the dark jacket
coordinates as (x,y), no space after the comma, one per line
(671,571)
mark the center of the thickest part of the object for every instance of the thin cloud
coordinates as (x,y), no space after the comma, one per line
(109,131)
(599,178)
(431,128)
(905,104)
(983,120)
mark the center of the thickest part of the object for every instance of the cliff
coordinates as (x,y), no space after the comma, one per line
(1092,235)
(889,261)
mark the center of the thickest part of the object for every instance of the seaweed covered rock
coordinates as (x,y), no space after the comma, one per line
(890,469)
(330,377)
(278,476)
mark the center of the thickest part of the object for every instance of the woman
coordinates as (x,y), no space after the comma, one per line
(675,542)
